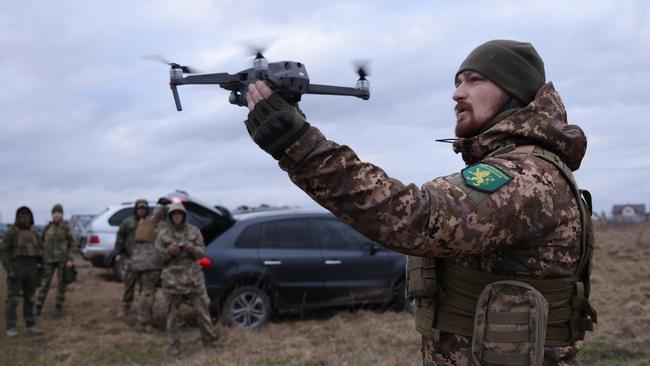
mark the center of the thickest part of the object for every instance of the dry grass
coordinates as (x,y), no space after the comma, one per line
(90,334)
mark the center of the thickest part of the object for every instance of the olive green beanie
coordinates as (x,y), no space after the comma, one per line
(513,66)
(57,208)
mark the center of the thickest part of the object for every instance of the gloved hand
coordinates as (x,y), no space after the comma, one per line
(173,250)
(273,123)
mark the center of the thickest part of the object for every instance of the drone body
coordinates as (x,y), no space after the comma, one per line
(288,78)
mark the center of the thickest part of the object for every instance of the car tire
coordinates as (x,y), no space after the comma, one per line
(118,270)
(247,306)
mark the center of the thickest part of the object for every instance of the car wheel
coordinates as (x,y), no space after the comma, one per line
(118,270)
(247,307)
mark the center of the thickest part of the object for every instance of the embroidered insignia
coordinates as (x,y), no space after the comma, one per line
(485,177)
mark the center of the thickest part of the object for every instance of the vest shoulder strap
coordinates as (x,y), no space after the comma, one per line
(568,175)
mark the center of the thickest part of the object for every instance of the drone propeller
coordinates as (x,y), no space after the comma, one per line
(173,65)
(362,69)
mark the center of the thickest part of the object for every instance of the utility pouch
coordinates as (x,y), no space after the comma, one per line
(509,325)
(422,286)
(69,274)
(421,279)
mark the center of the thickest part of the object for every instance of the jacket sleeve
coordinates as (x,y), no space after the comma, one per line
(162,256)
(71,241)
(440,219)
(198,247)
(40,242)
(6,245)
(120,239)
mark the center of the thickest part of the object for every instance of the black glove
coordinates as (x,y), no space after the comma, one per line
(275,124)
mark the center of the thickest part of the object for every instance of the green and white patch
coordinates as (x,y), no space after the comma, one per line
(485,177)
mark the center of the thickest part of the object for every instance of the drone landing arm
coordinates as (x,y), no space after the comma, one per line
(337,90)
(219,78)
(177,99)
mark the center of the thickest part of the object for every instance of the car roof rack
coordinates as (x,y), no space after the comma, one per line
(261,208)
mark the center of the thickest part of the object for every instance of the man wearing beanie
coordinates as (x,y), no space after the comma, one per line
(57,254)
(500,252)
(124,246)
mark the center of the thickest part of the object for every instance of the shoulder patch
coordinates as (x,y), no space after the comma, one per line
(485,177)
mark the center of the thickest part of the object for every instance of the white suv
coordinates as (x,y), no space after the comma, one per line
(98,246)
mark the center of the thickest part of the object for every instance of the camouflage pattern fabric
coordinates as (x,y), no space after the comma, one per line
(182,276)
(531,225)
(57,242)
(22,285)
(200,307)
(124,240)
(49,268)
(20,254)
(144,252)
(130,279)
(148,281)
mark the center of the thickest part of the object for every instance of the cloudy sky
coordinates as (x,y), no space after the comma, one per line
(88,123)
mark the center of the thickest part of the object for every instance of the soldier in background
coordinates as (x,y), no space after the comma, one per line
(20,254)
(145,266)
(178,247)
(124,243)
(57,254)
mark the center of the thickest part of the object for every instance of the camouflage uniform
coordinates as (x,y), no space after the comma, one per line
(530,225)
(20,254)
(57,244)
(124,244)
(145,265)
(182,277)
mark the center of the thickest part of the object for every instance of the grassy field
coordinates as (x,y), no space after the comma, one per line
(90,334)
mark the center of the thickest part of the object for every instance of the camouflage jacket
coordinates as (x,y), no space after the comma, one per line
(181,274)
(57,242)
(124,240)
(144,257)
(531,225)
(19,243)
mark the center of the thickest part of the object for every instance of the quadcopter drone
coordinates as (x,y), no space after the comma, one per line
(288,78)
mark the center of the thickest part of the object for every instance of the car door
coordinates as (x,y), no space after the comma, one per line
(293,262)
(356,268)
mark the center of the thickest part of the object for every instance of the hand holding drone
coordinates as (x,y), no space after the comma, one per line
(288,78)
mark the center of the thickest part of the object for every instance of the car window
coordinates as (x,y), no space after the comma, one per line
(123,214)
(334,234)
(120,216)
(288,234)
(250,237)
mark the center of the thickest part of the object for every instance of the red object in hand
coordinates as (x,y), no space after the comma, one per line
(205,262)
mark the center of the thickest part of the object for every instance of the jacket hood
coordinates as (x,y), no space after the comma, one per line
(543,122)
(140,202)
(177,206)
(31,215)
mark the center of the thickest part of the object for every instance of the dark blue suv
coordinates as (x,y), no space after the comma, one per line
(297,259)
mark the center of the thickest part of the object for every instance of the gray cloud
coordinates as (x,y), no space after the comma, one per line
(88,123)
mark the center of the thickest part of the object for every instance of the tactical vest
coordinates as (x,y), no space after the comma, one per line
(446,294)
(26,244)
(146,231)
(56,244)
